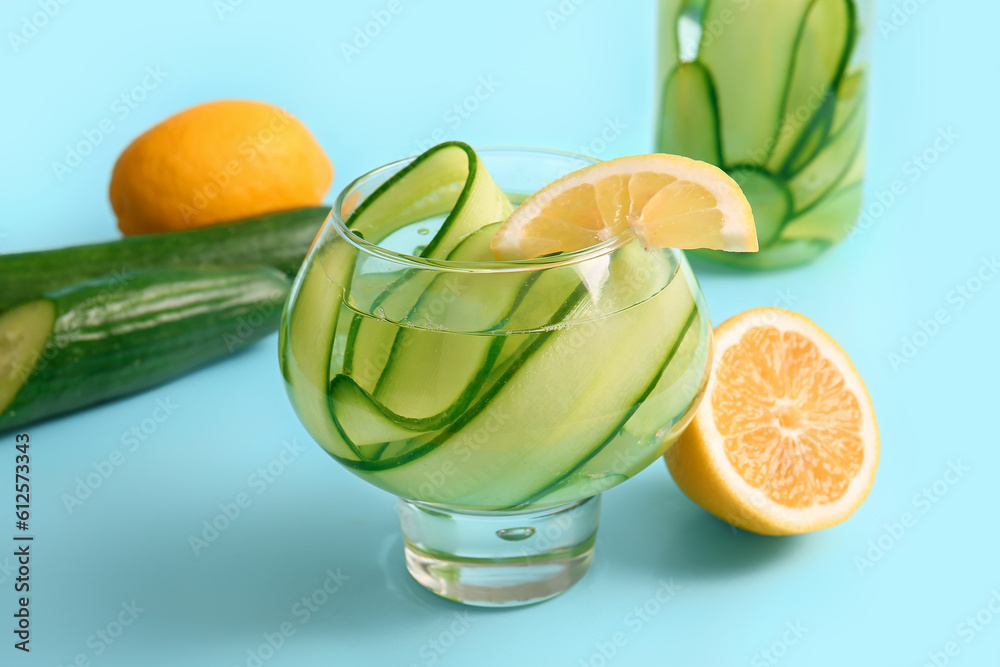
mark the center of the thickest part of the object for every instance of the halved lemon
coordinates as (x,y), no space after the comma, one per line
(785,439)
(668,201)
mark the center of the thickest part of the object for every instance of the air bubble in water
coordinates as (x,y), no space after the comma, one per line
(516,534)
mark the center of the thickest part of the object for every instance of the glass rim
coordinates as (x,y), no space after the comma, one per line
(571,258)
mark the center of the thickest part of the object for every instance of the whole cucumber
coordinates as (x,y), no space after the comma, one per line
(280,240)
(119,334)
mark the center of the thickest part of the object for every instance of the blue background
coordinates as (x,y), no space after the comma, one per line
(559,88)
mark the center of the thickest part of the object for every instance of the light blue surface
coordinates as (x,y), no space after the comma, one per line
(556,88)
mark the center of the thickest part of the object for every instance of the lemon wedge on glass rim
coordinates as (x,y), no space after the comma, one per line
(667,201)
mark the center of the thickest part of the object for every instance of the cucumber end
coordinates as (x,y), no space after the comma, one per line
(24,330)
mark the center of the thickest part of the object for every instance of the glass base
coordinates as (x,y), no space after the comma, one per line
(499,559)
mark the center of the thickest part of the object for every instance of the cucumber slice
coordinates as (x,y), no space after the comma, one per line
(750,64)
(592,396)
(822,48)
(480,203)
(544,300)
(369,339)
(835,112)
(476,246)
(554,291)
(366,425)
(664,413)
(812,138)
(769,198)
(570,488)
(589,469)
(431,376)
(856,171)
(850,97)
(831,164)
(419,355)
(673,394)
(449,176)
(411,453)
(24,331)
(830,220)
(435,185)
(689,118)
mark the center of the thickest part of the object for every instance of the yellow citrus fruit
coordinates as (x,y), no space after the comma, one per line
(785,440)
(668,201)
(217,162)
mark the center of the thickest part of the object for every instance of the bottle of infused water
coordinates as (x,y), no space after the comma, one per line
(775,93)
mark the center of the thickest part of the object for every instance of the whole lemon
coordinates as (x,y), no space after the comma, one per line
(217,162)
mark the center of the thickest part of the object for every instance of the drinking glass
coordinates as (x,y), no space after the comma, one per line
(562,376)
(775,93)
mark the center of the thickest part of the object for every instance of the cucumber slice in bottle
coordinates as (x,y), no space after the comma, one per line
(749,64)
(812,139)
(822,48)
(850,97)
(829,121)
(449,176)
(856,171)
(689,118)
(830,166)
(830,220)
